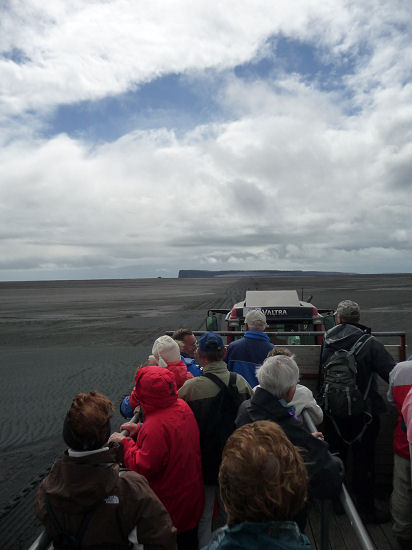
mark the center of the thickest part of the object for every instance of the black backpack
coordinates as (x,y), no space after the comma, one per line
(219,425)
(340,396)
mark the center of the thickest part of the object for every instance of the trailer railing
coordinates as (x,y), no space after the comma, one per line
(239,333)
(347,503)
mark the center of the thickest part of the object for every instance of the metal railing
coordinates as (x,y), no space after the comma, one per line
(400,334)
(347,503)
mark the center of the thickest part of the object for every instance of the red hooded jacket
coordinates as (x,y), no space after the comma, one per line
(167,448)
(178,368)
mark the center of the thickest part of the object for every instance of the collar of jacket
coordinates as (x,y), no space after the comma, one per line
(218,367)
(256,335)
(345,333)
(363,328)
(271,405)
(187,359)
(107,455)
(279,530)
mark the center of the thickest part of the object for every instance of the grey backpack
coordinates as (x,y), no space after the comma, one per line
(341,396)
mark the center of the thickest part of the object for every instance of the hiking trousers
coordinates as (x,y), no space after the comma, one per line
(363,454)
(401,499)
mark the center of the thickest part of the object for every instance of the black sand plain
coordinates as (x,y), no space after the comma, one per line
(58,338)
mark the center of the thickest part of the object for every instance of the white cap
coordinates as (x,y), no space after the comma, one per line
(256,318)
(166,350)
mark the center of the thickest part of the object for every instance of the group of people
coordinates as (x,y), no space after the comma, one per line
(159,483)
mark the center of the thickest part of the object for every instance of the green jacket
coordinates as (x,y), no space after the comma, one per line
(204,398)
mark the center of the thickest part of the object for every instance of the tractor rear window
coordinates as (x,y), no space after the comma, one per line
(290,340)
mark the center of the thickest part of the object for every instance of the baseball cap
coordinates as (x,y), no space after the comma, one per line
(210,341)
(255,317)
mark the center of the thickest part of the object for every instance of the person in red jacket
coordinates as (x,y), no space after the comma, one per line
(400,383)
(166,450)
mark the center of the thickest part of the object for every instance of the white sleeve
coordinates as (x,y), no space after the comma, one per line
(303,399)
(389,393)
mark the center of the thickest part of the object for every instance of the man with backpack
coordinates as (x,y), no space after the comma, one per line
(214,399)
(351,358)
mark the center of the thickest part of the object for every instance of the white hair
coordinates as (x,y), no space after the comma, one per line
(277,374)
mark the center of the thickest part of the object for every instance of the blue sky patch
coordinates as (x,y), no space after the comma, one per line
(173,101)
(16,55)
(288,56)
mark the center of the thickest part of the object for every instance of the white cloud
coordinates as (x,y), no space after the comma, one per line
(295,177)
(304,189)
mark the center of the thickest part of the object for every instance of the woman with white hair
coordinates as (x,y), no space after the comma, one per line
(278,377)
(303,399)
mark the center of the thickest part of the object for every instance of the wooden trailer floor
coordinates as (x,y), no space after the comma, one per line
(342,535)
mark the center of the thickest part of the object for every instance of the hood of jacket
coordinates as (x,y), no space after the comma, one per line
(80,483)
(179,369)
(344,335)
(156,388)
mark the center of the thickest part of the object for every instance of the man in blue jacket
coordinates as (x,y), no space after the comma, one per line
(244,355)
(188,349)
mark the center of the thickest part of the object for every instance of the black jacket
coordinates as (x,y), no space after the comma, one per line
(372,359)
(325,470)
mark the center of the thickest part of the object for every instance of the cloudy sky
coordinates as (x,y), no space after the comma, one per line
(139,138)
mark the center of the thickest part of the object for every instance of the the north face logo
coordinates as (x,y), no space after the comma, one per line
(112,499)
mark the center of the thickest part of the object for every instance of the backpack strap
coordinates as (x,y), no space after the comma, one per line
(73,540)
(360,434)
(360,342)
(216,380)
(232,381)
(355,350)
(230,389)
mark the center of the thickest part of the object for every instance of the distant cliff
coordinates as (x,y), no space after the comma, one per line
(197,273)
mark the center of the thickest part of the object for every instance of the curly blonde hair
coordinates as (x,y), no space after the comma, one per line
(262,476)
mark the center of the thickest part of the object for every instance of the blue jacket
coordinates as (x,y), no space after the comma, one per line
(271,535)
(244,355)
(191,365)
